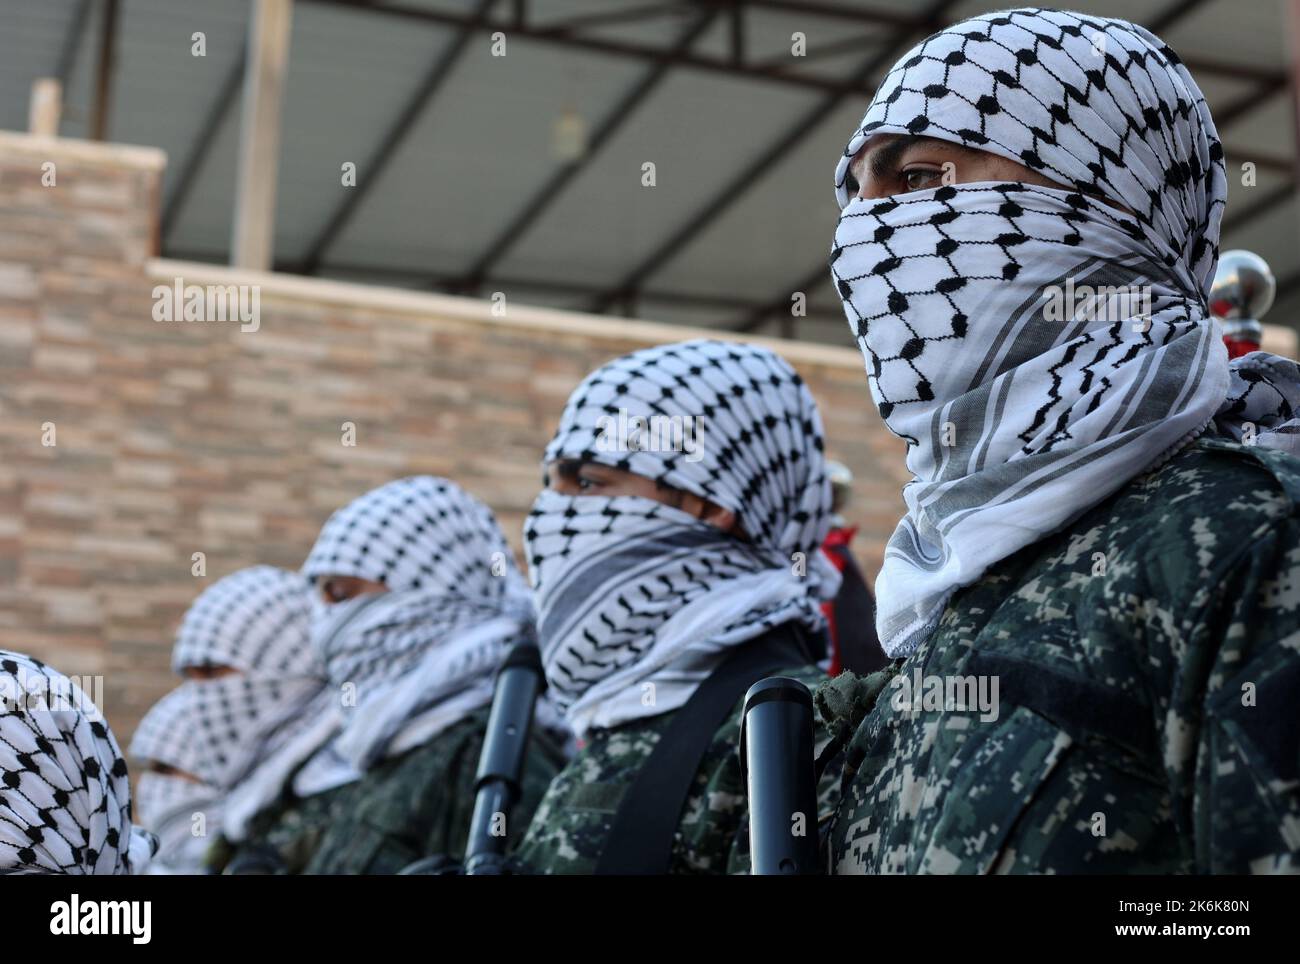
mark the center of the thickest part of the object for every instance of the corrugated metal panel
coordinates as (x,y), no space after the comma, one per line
(349,75)
(698,130)
(32,36)
(480,153)
(162,91)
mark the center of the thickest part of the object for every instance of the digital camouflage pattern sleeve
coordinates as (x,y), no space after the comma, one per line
(569,830)
(1147,671)
(291,831)
(420,804)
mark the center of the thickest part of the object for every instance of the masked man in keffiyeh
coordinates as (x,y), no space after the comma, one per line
(65,801)
(674,548)
(175,804)
(252,686)
(416,600)
(1101,532)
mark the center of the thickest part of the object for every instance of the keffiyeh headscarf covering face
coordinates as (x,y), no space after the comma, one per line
(422,655)
(168,804)
(65,803)
(1018,418)
(255,621)
(252,727)
(631,591)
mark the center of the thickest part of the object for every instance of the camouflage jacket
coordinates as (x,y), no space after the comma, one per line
(419,804)
(568,832)
(1147,661)
(290,831)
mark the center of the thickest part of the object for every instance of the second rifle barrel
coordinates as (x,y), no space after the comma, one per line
(500,768)
(777,739)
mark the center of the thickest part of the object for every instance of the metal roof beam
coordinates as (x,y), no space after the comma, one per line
(1175,12)
(572,25)
(759,313)
(1238,219)
(723,65)
(1248,102)
(848,45)
(1162,21)
(222,104)
(103,92)
(749,175)
(68,55)
(373,168)
(891,18)
(612,48)
(542,199)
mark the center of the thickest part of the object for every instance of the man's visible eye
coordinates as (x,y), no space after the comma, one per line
(920,178)
(333,592)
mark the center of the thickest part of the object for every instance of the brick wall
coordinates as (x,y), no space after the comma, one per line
(174,438)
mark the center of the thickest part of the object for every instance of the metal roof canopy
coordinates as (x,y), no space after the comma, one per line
(460,185)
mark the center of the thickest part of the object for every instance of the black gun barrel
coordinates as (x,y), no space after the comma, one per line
(256,859)
(776,745)
(520,681)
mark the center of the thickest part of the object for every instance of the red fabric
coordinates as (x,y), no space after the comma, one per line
(1240,346)
(836,538)
(839,537)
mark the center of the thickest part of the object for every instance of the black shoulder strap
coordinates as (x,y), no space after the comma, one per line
(641,839)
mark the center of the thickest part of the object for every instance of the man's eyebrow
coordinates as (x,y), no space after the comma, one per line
(568,469)
(884,159)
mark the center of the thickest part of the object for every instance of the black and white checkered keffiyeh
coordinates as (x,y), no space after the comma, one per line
(65,802)
(255,621)
(416,659)
(639,601)
(1016,421)
(178,808)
